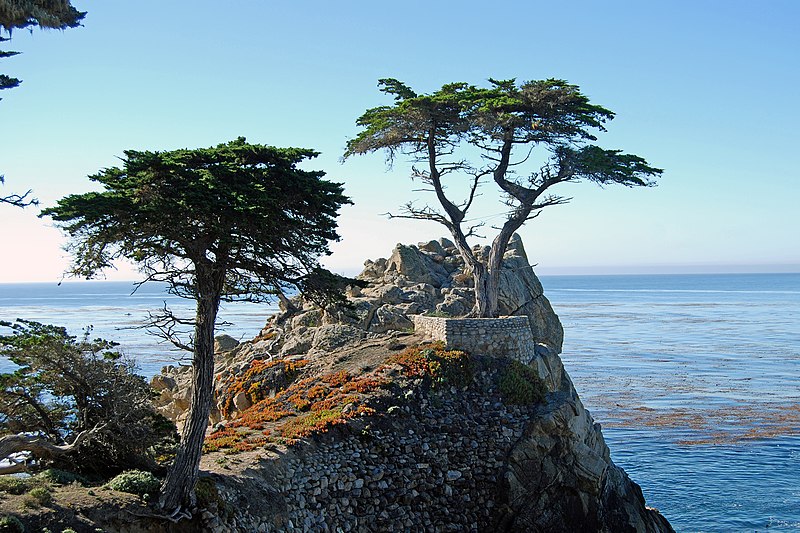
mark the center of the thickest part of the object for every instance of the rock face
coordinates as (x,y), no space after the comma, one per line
(430,456)
(452,460)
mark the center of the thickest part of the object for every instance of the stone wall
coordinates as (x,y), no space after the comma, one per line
(508,336)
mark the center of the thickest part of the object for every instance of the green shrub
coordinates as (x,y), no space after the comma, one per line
(136,482)
(101,388)
(14,485)
(521,384)
(69,530)
(11,524)
(37,497)
(61,477)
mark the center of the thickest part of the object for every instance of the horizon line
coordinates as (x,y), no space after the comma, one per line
(629,270)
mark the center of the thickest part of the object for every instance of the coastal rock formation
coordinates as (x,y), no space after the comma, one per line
(346,420)
(453,459)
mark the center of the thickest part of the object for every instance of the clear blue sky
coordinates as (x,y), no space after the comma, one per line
(705,90)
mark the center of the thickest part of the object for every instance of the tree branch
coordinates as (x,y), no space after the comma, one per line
(40,447)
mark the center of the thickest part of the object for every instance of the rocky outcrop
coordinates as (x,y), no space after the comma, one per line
(428,278)
(424,454)
(560,477)
(431,277)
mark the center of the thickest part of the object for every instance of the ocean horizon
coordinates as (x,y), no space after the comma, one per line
(695,378)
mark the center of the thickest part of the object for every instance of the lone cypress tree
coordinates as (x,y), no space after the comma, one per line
(504,124)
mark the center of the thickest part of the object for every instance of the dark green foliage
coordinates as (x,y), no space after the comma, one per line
(11,524)
(45,14)
(242,208)
(38,496)
(65,385)
(503,124)
(16,485)
(136,482)
(61,477)
(7,82)
(521,385)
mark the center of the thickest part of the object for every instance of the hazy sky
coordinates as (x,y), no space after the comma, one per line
(705,90)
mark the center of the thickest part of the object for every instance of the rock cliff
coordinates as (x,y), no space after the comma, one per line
(348,420)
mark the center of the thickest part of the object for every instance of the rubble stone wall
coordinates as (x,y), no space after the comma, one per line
(508,336)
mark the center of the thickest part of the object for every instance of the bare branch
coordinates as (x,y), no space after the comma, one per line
(164,325)
(471,231)
(41,447)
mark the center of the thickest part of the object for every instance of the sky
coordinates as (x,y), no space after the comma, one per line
(706,90)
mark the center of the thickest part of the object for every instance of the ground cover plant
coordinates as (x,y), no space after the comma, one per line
(286,407)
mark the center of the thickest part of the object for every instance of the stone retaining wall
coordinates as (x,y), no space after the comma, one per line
(508,336)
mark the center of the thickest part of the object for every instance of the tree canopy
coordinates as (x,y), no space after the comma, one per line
(235,221)
(45,14)
(510,126)
(243,208)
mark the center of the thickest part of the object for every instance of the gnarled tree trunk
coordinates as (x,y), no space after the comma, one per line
(487,276)
(178,490)
(39,447)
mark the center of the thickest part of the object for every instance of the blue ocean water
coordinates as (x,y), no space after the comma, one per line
(696,381)
(695,378)
(117,313)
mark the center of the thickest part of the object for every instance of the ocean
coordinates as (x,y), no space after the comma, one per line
(115,312)
(694,378)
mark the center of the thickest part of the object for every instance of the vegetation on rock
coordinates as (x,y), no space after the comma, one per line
(285,411)
(521,385)
(257,381)
(435,361)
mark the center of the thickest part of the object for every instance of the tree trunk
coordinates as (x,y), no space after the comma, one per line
(485,293)
(487,277)
(178,489)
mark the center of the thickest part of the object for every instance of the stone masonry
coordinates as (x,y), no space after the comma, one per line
(508,336)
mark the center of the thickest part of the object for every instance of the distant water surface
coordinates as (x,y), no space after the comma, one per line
(695,378)
(116,313)
(696,381)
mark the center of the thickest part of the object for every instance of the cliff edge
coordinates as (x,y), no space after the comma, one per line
(349,419)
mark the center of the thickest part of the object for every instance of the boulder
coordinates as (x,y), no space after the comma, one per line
(390,317)
(224,343)
(434,247)
(521,293)
(415,266)
(328,338)
(560,477)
